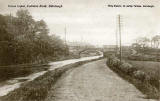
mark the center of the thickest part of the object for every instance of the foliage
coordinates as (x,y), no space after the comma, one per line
(143,43)
(139,75)
(145,79)
(156,41)
(151,69)
(24,40)
(127,68)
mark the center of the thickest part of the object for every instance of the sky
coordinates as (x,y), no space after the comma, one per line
(93,21)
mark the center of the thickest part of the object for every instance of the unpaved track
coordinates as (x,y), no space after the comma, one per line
(93,81)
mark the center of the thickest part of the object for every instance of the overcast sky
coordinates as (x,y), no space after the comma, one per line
(92,20)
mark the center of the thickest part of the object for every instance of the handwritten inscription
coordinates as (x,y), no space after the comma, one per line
(131,6)
(31,6)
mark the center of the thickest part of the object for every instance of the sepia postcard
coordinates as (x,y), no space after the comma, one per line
(79,50)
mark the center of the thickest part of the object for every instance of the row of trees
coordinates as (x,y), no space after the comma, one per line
(25,40)
(144,42)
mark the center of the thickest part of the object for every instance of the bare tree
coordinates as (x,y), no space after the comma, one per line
(156,41)
(143,41)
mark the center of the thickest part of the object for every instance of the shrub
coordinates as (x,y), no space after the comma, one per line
(115,62)
(139,75)
(154,81)
(109,62)
(144,81)
(127,68)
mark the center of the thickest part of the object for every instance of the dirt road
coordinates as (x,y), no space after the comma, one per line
(93,81)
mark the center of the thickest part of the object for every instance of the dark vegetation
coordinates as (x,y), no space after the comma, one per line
(38,89)
(20,70)
(151,69)
(140,66)
(24,40)
(144,77)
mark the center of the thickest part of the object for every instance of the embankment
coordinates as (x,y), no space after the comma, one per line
(37,89)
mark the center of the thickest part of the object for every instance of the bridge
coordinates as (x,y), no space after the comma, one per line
(83,52)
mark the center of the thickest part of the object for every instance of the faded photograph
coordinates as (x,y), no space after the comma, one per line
(79,50)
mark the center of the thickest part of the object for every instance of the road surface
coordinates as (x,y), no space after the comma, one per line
(93,81)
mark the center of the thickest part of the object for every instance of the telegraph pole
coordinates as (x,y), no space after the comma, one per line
(120,45)
(65,35)
(116,41)
(65,39)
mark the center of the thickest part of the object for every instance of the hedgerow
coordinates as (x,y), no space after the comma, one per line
(139,78)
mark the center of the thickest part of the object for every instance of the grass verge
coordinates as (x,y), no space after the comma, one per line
(38,89)
(145,86)
(152,69)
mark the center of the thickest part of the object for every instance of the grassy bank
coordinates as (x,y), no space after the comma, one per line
(37,90)
(140,79)
(152,69)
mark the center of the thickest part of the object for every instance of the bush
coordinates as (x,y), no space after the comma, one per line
(116,62)
(139,75)
(127,68)
(113,61)
(155,82)
(142,80)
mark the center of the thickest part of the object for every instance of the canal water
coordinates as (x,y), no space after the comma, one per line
(15,83)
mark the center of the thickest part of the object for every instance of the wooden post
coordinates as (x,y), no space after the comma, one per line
(120,45)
